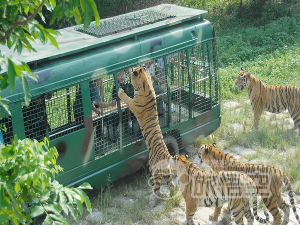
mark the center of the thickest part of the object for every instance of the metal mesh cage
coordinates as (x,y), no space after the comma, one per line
(35,119)
(6,126)
(125,22)
(114,124)
(179,87)
(64,111)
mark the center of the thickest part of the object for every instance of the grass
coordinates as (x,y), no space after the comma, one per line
(131,198)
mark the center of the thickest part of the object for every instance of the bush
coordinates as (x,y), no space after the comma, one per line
(28,187)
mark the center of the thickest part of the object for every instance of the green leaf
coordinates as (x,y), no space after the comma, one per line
(47,221)
(42,36)
(82,4)
(36,211)
(42,16)
(4,219)
(45,195)
(4,105)
(36,175)
(60,218)
(56,14)
(29,179)
(77,15)
(79,206)
(27,95)
(87,14)
(19,46)
(85,186)
(53,40)
(11,74)
(84,198)
(1,197)
(55,208)
(95,11)
(53,3)
(55,32)
(73,212)
(17,187)
(4,82)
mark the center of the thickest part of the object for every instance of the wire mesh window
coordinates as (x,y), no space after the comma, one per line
(115,126)
(130,127)
(204,77)
(179,87)
(35,119)
(6,127)
(103,110)
(64,111)
(157,71)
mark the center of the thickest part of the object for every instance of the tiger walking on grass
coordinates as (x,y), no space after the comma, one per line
(144,107)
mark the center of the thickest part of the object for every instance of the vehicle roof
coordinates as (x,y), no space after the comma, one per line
(73,40)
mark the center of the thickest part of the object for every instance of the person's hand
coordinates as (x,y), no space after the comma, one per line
(98,111)
(114,103)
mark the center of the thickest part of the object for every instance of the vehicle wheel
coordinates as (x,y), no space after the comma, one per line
(171,144)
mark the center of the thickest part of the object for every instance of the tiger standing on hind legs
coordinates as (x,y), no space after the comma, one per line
(269,181)
(271,98)
(144,107)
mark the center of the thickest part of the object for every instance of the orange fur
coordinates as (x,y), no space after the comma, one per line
(269,180)
(210,188)
(144,107)
(271,98)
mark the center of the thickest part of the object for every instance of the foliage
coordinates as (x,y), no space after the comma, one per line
(241,13)
(27,168)
(28,187)
(19,29)
(268,52)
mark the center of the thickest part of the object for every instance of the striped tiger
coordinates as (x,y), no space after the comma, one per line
(144,107)
(210,188)
(269,181)
(271,98)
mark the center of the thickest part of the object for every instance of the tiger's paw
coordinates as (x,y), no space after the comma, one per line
(226,210)
(213,217)
(121,93)
(190,222)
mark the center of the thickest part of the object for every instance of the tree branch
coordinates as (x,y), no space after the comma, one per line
(22,22)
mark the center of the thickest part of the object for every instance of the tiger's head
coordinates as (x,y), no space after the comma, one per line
(209,154)
(242,79)
(180,163)
(214,157)
(140,79)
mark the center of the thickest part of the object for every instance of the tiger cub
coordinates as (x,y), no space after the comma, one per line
(269,181)
(271,98)
(210,188)
(144,107)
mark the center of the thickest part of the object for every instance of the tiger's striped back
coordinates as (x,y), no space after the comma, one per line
(210,188)
(269,180)
(144,107)
(271,98)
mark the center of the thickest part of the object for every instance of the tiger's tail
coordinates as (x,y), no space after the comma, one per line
(288,185)
(254,201)
(257,217)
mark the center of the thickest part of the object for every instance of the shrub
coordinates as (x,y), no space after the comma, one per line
(28,187)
